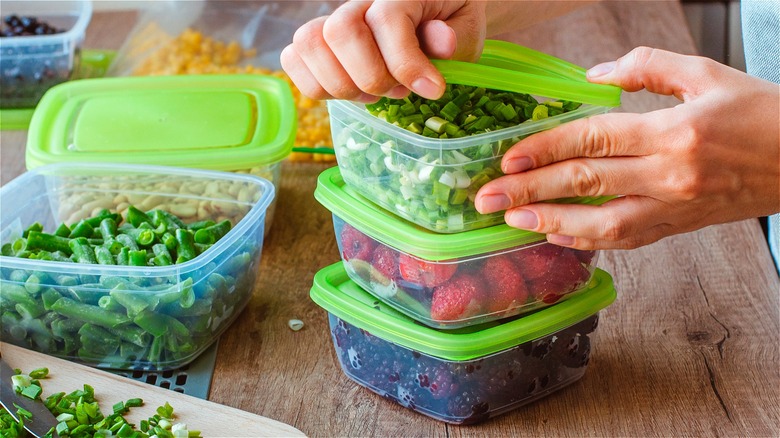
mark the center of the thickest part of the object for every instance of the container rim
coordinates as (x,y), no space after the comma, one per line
(523,129)
(258,209)
(76,31)
(340,296)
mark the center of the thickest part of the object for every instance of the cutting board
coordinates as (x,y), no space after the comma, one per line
(212,419)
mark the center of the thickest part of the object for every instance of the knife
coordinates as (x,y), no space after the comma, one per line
(42,420)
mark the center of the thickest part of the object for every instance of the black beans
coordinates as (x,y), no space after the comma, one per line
(14,25)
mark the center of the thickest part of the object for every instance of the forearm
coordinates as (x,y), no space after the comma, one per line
(510,15)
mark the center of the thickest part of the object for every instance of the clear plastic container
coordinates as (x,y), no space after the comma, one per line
(235,123)
(462,376)
(449,281)
(429,181)
(30,65)
(129,317)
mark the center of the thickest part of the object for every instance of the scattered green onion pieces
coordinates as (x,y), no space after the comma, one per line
(78,414)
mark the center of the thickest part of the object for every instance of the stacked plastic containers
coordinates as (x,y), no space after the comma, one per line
(446,311)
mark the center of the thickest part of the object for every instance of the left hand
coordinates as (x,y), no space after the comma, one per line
(712,159)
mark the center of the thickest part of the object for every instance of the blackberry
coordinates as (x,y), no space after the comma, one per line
(466,405)
(542,347)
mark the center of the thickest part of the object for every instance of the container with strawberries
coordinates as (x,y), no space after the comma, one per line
(449,281)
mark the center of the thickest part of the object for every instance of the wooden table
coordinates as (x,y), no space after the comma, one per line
(690,348)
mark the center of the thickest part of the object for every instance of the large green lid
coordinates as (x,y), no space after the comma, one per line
(379,224)
(335,292)
(220,122)
(511,67)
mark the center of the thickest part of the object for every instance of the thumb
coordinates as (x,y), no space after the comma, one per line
(654,70)
(460,36)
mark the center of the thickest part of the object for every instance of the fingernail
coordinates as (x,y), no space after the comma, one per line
(366,98)
(426,88)
(398,92)
(524,219)
(516,165)
(492,203)
(557,239)
(601,69)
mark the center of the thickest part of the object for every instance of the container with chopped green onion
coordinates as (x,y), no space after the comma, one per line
(426,159)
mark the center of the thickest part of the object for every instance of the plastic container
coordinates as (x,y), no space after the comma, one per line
(462,376)
(449,280)
(30,65)
(265,28)
(237,123)
(128,317)
(433,181)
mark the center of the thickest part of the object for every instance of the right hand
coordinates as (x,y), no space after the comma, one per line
(369,49)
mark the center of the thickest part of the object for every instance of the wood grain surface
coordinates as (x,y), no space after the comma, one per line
(690,348)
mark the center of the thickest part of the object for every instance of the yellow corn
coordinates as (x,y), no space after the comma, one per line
(194,53)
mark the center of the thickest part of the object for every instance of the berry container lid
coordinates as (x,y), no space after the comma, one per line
(336,293)
(218,122)
(379,224)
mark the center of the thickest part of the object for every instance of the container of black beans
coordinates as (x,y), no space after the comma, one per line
(40,43)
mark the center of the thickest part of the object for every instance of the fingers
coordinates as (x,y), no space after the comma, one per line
(322,64)
(571,178)
(646,68)
(352,42)
(381,48)
(607,135)
(623,223)
(396,36)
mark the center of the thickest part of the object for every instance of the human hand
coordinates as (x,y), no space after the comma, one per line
(714,158)
(369,49)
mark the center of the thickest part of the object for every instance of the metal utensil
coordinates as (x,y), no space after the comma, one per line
(42,420)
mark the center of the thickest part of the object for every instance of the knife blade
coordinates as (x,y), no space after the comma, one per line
(42,420)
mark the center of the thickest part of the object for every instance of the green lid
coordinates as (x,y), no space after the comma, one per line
(335,292)
(510,67)
(219,122)
(381,225)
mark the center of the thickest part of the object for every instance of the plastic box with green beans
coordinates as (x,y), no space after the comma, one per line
(140,289)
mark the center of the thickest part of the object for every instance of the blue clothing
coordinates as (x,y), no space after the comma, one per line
(761,38)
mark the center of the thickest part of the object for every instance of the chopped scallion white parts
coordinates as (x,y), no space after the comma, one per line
(447,179)
(295,324)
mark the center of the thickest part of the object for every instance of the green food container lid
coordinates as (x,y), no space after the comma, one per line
(383,226)
(219,122)
(335,292)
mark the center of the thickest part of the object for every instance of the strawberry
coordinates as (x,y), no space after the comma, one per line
(423,273)
(385,263)
(566,274)
(355,244)
(506,287)
(457,299)
(537,261)
(586,257)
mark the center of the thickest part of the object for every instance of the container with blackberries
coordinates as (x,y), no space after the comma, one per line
(40,43)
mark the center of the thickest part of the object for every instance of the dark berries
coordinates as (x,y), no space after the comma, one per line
(469,391)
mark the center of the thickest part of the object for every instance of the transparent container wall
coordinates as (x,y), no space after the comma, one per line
(273,173)
(30,65)
(129,317)
(265,27)
(467,291)
(431,182)
(464,392)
